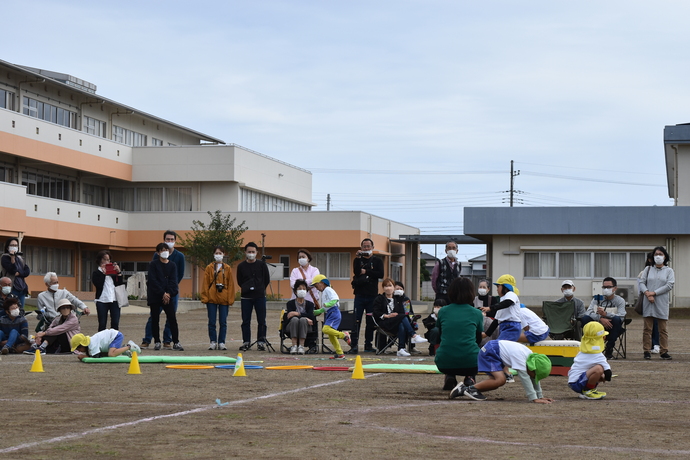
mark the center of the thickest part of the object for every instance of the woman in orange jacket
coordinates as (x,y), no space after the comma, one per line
(218,293)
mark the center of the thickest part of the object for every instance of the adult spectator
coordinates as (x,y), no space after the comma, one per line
(56,338)
(161,288)
(568,290)
(609,310)
(105,277)
(305,272)
(49,299)
(445,271)
(367,271)
(656,285)
(482,300)
(299,317)
(253,278)
(218,293)
(175,256)
(655,327)
(6,292)
(389,313)
(14,267)
(14,329)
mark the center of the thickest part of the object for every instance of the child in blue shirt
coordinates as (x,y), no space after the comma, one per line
(329,303)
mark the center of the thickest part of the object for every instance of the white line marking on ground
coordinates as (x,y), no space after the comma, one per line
(55,401)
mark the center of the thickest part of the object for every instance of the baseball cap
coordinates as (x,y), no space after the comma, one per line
(320,279)
(568,282)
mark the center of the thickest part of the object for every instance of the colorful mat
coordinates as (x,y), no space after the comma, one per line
(165,359)
(406,368)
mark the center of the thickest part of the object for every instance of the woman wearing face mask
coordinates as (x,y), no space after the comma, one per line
(218,293)
(299,317)
(389,315)
(305,271)
(14,268)
(105,291)
(656,283)
(161,288)
(57,336)
(485,299)
(14,329)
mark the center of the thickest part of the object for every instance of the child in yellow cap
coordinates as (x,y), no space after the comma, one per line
(330,304)
(107,342)
(590,366)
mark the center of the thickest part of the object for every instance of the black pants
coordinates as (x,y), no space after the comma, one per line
(57,343)
(102,310)
(169,310)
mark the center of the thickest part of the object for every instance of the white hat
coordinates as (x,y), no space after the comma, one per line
(568,282)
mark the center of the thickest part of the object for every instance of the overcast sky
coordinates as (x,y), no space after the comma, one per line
(410,110)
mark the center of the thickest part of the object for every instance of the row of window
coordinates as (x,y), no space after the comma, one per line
(94,126)
(150,198)
(49,186)
(42,260)
(6,100)
(257,201)
(49,113)
(564,265)
(128,137)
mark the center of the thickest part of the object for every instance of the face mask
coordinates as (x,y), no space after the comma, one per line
(218,257)
(482,291)
(659,259)
(366,253)
(251,255)
(164,255)
(301,293)
(568,292)
(607,292)
(398,292)
(452,253)
(303,262)
(54,287)
(14,312)
(436,309)
(13,249)
(6,289)
(170,245)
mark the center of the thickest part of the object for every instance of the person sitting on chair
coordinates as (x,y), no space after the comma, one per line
(299,317)
(568,290)
(49,299)
(389,314)
(609,310)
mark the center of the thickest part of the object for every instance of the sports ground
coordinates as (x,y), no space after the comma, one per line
(79,410)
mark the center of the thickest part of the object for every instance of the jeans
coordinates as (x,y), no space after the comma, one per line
(222,311)
(166,330)
(655,333)
(405,331)
(21,296)
(171,319)
(11,337)
(102,310)
(364,303)
(614,332)
(258,304)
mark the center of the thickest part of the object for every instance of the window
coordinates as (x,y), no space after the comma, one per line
(93,194)
(285,260)
(42,260)
(583,264)
(150,199)
(41,183)
(6,172)
(49,113)
(6,100)
(156,142)
(256,201)
(93,126)
(335,265)
(128,137)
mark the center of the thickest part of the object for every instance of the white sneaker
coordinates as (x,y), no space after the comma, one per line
(403,352)
(212,346)
(134,347)
(656,349)
(300,350)
(293,350)
(419,339)
(221,346)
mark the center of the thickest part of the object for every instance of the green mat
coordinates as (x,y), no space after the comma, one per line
(408,368)
(165,359)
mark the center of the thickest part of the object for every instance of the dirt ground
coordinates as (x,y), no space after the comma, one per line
(78,410)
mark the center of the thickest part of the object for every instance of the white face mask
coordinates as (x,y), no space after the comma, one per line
(6,289)
(398,292)
(659,260)
(54,287)
(436,309)
(301,293)
(164,255)
(303,261)
(170,244)
(568,292)
(13,249)
(482,291)
(251,255)
(607,292)
(14,312)
(218,257)
(452,253)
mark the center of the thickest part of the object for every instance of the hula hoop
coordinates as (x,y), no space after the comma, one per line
(288,368)
(232,366)
(332,368)
(188,366)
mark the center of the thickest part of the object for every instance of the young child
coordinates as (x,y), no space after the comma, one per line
(432,332)
(329,301)
(590,366)
(107,342)
(507,311)
(494,356)
(533,328)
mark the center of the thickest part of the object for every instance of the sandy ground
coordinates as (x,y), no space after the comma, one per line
(78,410)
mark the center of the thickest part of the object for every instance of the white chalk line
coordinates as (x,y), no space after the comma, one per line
(175,414)
(55,401)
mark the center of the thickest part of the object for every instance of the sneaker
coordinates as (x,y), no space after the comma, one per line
(656,349)
(419,339)
(261,346)
(5,350)
(33,349)
(212,346)
(403,352)
(347,338)
(414,351)
(592,394)
(510,378)
(458,391)
(337,356)
(168,346)
(449,383)
(178,347)
(473,393)
(293,350)
(300,350)
(134,347)
(353,351)
(157,346)
(369,349)
(468,381)
(144,345)
(245,346)
(127,353)
(665,356)
(221,346)
(647,355)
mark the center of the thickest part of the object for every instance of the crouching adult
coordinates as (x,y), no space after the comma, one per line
(57,337)
(14,328)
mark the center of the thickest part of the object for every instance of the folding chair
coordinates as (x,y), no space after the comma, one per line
(560,318)
(385,339)
(310,342)
(620,348)
(347,323)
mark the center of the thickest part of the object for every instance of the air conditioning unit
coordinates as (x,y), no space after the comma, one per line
(627,291)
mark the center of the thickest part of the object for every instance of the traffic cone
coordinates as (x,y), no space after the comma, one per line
(239,367)
(37,366)
(134,364)
(358,372)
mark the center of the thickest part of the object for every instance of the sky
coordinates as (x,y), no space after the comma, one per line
(409,110)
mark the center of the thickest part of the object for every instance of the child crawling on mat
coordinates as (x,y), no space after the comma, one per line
(590,366)
(331,323)
(497,354)
(107,342)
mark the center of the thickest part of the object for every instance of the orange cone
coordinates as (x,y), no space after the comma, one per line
(134,364)
(358,372)
(37,366)
(239,367)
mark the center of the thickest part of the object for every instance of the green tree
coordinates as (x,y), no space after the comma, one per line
(221,231)
(424,274)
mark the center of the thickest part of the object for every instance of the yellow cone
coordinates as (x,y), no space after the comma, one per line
(134,364)
(239,367)
(37,366)
(358,372)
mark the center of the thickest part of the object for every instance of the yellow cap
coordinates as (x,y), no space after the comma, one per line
(320,279)
(593,338)
(509,282)
(80,340)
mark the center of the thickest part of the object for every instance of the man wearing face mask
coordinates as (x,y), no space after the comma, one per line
(367,271)
(49,299)
(609,311)
(6,292)
(445,271)
(568,290)
(14,329)
(253,278)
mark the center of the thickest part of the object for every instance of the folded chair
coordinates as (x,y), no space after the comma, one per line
(621,345)
(310,342)
(347,323)
(385,339)
(560,317)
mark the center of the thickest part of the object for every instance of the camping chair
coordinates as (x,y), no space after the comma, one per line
(347,323)
(310,342)
(559,316)
(620,348)
(385,339)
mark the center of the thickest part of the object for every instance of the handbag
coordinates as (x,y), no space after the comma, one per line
(640,300)
(122,296)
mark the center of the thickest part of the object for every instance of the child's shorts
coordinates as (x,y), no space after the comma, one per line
(580,385)
(509,330)
(117,341)
(532,339)
(489,358)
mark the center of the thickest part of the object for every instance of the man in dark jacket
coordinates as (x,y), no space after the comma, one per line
(253,278)
(367,272)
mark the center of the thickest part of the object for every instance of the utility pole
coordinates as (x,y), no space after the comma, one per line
(328,202)
(513,173)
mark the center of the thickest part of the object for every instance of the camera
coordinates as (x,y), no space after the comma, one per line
(220,287)
(266,257)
